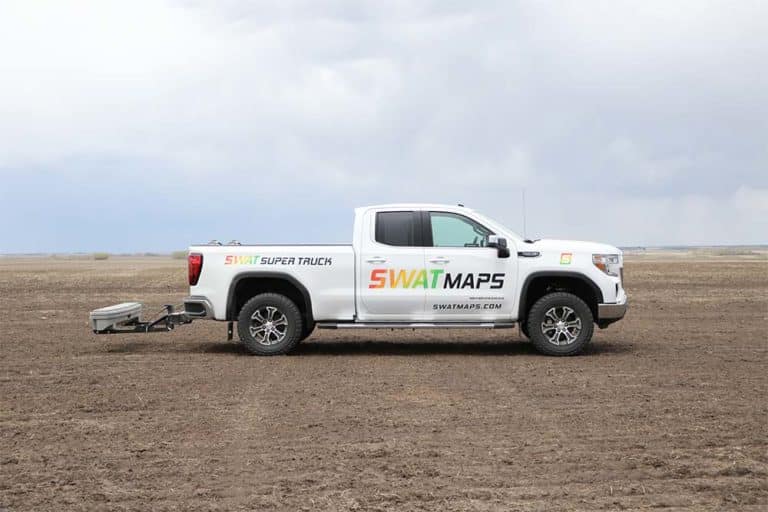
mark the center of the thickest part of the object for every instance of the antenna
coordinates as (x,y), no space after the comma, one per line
(525,234)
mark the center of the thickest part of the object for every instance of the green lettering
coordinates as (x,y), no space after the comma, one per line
(436,272)
(421,279)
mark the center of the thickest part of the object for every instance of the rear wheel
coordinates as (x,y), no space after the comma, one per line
(560,324)
(269,324)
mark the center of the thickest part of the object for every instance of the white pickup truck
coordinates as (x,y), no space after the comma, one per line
(409,266)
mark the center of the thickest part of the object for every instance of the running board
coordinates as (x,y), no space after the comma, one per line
(415,325)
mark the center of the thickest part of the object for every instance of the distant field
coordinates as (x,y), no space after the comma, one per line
(667,409)
(758,253)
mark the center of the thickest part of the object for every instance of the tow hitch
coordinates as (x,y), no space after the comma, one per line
(126,318)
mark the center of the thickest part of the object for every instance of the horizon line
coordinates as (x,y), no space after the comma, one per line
(169,253)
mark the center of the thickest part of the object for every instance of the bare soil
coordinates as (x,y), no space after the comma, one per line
(667,409)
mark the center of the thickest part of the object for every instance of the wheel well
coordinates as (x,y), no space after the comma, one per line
(245,288)
(539,286)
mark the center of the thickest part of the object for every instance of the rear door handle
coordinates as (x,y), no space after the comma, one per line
(376,260)
(439,260)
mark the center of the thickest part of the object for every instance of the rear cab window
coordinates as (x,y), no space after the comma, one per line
(399,229)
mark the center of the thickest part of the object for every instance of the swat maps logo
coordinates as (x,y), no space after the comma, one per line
(433,278)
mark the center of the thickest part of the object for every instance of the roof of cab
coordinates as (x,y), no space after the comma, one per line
(414,206)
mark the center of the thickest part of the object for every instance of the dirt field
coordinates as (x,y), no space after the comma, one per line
(668,408)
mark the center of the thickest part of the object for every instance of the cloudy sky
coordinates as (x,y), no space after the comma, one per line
(149,125)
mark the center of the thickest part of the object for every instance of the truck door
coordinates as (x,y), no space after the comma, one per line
(471,282)
(391,274)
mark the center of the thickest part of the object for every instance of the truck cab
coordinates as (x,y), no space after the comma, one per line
(432,263)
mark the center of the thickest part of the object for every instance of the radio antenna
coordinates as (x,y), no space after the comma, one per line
(525,234)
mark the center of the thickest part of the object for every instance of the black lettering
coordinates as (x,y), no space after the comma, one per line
(482,279)
(469,281)
(450,282)
(498,281)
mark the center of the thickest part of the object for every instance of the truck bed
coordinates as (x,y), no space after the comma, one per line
(326,271)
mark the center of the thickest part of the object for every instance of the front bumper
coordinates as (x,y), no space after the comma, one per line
(610,313)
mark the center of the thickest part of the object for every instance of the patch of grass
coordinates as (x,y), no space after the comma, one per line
(179,255)
(100,256)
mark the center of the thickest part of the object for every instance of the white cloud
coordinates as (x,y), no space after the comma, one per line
(631,163)
(753,204)
(630,107)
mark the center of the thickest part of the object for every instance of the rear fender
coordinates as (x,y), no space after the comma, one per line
(289,279)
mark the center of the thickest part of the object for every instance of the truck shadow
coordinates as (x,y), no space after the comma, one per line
(412,348)
(351,348)
(394,347)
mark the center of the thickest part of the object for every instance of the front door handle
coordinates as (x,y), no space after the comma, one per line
(376,260)
(439,260)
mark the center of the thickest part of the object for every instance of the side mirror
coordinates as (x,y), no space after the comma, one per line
(500,244)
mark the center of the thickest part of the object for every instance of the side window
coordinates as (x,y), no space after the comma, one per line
(452,230)
(396,228)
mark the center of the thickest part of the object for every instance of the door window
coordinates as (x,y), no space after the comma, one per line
(453,230)
(396,228)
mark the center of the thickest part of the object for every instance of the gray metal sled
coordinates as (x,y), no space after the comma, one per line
(126,318)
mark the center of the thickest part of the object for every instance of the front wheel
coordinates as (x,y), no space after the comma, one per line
(560,324)
(269,324)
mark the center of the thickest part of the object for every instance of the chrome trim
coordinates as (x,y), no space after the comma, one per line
(415,325)
(207,307)
(266,328)
(611,311)
(561,322)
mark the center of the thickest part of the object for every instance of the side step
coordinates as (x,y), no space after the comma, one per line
(415,325)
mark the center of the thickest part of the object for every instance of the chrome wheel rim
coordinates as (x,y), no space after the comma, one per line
(561,325)
(268,325)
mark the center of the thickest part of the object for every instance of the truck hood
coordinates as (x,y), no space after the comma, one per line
(570,246)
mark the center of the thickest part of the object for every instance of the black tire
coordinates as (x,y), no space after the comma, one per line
(538,315)
(272,340)
(307,330)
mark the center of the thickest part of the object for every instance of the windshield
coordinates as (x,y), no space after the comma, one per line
(497,227)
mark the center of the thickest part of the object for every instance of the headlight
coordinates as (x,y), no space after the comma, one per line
(608,263)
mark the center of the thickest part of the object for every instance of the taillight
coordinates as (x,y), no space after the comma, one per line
(195,266)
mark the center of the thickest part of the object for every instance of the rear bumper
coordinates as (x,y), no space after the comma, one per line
(610,313)
(198,307)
